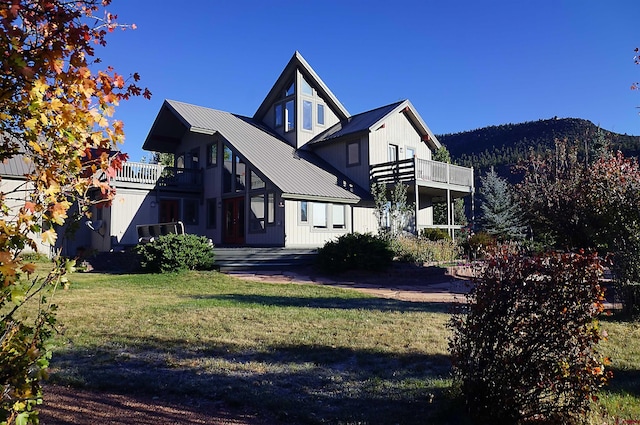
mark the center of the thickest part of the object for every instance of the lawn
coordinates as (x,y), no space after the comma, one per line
(299,353)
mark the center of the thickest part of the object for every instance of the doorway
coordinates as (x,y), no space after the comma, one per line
(233,231)
(168,211)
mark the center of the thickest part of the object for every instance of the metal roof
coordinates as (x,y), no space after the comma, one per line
(356,124)
(296,173)
(15,166)
(367,121)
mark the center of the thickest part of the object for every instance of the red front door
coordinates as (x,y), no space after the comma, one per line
(233,221)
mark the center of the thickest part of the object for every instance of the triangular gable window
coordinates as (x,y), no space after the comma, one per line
(291,90)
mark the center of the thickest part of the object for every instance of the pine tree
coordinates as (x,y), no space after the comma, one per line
(501,216)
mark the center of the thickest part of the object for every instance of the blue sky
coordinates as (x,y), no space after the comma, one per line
(463,64)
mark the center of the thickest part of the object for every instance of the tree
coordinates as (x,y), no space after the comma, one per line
(55,112)
(501,216)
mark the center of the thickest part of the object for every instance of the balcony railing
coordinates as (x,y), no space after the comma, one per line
(422,170)
(159,175)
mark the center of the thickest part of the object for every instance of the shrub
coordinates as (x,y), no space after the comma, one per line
(420,251)
(434,234)
(526,352)
(362,251)
(172,253)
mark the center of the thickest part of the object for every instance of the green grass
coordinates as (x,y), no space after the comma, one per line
(300,353)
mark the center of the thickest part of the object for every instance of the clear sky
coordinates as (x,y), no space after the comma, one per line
(464,64)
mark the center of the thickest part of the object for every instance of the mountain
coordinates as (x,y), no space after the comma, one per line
(503,145)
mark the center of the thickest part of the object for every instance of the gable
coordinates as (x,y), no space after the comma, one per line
(288,75)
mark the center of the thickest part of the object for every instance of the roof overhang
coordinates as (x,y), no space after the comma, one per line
(416,120)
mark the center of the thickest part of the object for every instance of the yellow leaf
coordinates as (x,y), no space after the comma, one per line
(49,237)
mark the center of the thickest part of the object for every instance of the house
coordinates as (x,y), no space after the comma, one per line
(297,173)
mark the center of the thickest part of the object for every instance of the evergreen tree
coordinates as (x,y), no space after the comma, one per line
(501,216)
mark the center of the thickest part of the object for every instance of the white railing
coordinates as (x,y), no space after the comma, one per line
(441,172)
(138,172)
(155,174)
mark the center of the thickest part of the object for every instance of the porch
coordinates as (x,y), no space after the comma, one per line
(155,176)
(438,180)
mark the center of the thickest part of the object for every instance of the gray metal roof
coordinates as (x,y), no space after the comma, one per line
(15,167)
(296,173)
(356,123)
(366,121)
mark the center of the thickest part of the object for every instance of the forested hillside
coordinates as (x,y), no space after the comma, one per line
(503,145)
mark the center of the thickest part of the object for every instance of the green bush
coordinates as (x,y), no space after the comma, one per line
(420,251)
(434,234)
(526,349)
(355,251)
(172,253)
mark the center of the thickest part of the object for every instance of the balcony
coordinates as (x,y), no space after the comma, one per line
(155,176)
(425,173)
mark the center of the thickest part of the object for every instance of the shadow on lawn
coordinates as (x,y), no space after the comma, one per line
(624,381)
(379,304)
(295,384)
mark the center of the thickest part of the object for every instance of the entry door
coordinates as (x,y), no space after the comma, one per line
(168,211)
(233,221)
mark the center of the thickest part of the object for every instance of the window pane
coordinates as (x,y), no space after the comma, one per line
(306,88)
(411,152)
(228,169)
(180,161)
(338,217)
(320,114)
(256,181)
(240,174)
(353,153)
(271,208)
(290,115)
(278,117)
(257,212)
(303,211)
(306,114)
(290,90)
(212,154)
(319,215)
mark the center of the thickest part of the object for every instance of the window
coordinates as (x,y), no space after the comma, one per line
(393,153)
(212,213)
(290,90)
(241,168)
(307,108)
(180,161)
(278,115)
(338,217)
(320,114)
(290,116)
(306,88)
(271,208)
(228,169)
(212,154)
(256,221)
(353,153)
(304,217)
(194,159)
(319,215)
(256,181)
(411,153)
(190,207)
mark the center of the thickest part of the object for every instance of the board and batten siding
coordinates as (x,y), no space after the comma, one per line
(299,235)
(129,208)
(364,220)
(399,131)
(335,153)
